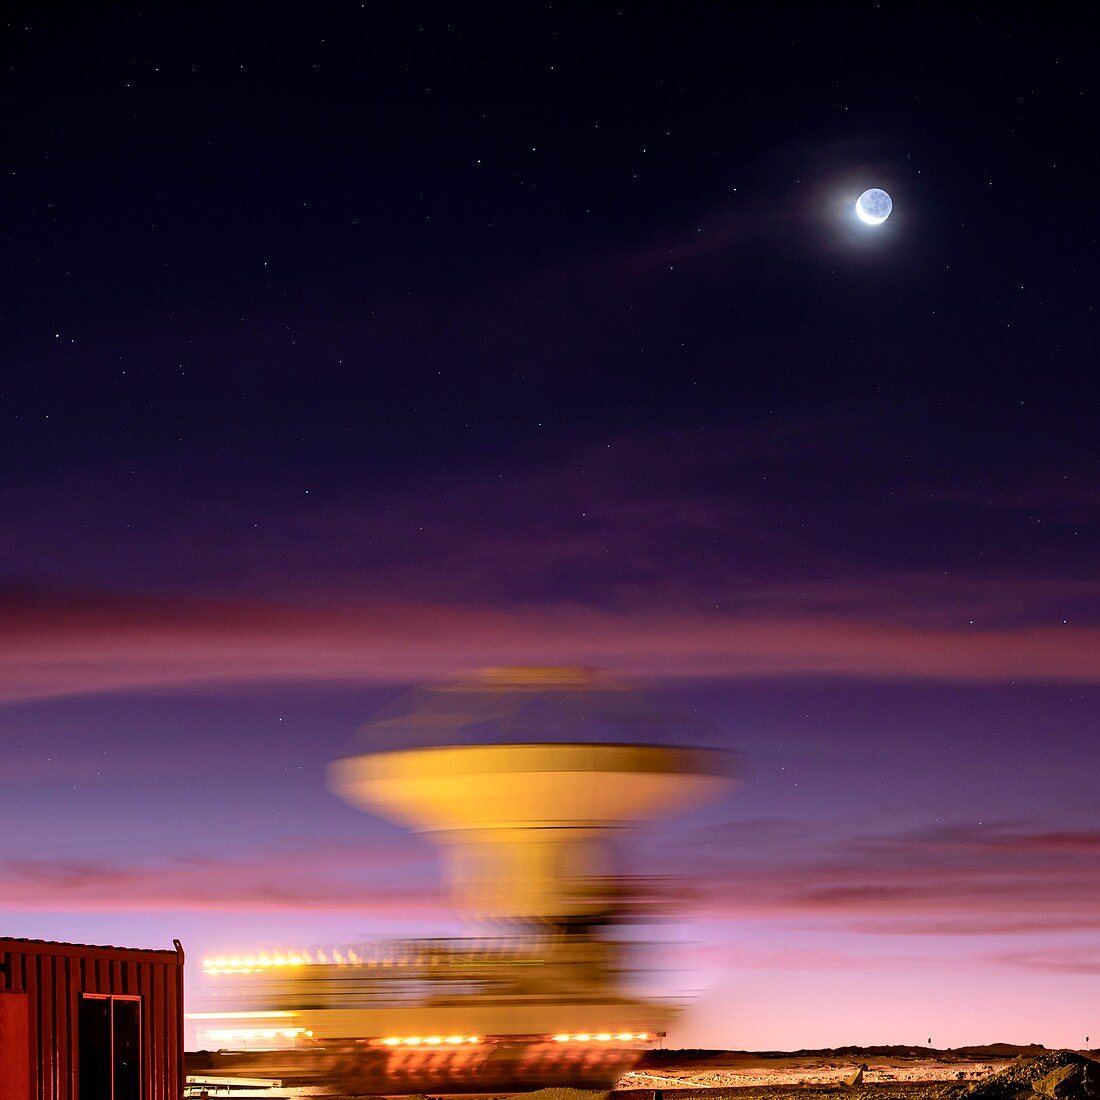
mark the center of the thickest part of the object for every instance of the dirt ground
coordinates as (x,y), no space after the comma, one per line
(748,1071)
(822,1075)
(904,1090)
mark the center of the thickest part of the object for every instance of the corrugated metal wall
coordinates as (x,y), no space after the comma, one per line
(54,975)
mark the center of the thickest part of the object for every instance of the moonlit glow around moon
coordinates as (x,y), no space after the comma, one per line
(873,206)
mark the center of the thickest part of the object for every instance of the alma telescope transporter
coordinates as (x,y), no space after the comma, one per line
(526,821)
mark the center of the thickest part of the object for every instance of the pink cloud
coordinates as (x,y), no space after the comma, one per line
(314,877)
(53,647)
(959,881)
(740,956)
(1052,960)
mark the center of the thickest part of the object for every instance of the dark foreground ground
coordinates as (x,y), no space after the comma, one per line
(999,1072)
(901,1090)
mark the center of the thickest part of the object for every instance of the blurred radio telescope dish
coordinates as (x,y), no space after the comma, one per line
(527,780)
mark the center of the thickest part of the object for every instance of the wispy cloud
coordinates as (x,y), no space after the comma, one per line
(1081,959)
(766,957)
(664,554)
(53,648)
(748,517)
(961,880)
(319,876)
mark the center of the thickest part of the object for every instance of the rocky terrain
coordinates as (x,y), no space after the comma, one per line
(1058,1075)
(999,1072)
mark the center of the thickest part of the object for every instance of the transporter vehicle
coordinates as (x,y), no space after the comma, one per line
(528,830)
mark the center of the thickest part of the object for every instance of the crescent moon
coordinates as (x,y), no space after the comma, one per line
(867,219)
(865,215)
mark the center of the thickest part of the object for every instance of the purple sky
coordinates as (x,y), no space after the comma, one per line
(352,349)
(892,845)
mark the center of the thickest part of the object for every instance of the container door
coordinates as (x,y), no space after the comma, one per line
(110,1048)
(127,1050)
(94,1070)
(15,1047)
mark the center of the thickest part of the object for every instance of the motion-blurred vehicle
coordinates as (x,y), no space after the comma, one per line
(527,827)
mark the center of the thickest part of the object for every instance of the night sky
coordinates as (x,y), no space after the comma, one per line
(358,345)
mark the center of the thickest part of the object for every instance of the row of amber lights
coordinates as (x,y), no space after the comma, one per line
(258,964)
(458,1040)
(602,1037)
(432,1041)
(255,964)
